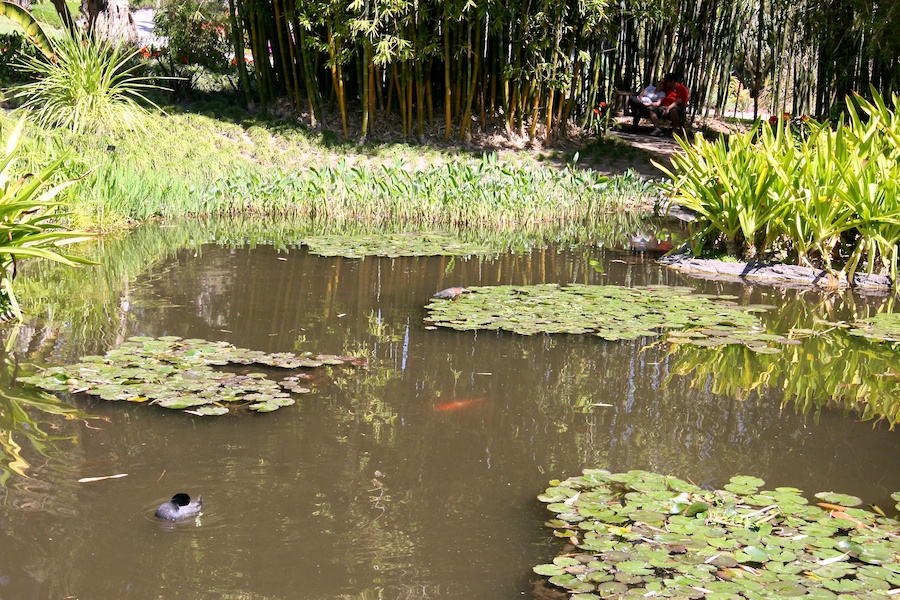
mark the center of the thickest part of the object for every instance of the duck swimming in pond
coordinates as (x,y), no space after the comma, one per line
(179,507)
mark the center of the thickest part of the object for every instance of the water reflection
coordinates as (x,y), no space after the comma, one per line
(833,370)
(30,436)
(84,311)
(365,489)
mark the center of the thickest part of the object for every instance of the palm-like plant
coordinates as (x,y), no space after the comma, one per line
(87,84)
(27,211)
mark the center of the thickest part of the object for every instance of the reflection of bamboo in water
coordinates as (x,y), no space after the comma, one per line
(833,370)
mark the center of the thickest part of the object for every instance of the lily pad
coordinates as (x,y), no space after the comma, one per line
(393,245)
(883,327)
(750,543)
(842,499)
(610,312)
(178,374)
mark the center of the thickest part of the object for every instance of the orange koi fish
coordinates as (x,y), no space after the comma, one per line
(457,404)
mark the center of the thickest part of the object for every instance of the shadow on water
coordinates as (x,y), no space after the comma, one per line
(414,478)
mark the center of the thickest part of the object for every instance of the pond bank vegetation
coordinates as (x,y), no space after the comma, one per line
(201,166)
(799,192)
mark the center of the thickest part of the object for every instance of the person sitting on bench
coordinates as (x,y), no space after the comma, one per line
(639,105)
(672,106)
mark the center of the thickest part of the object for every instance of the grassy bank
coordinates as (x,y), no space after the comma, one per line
(191,163)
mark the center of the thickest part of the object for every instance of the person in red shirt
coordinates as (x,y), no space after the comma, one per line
(672,106)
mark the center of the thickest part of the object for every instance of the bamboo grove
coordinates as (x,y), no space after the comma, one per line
(536,67)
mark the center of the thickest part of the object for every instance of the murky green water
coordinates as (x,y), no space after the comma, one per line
(414,478)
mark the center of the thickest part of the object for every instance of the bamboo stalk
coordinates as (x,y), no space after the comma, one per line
(448,115)
(237,40)
(337,79)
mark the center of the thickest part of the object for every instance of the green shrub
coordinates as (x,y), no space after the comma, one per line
(197,43)
(13,45)
(825,197)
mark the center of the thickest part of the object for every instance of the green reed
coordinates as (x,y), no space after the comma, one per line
(486,193)
(190,165)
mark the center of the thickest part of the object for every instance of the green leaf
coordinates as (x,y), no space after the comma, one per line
(548,570)
(841,499)
(33,29)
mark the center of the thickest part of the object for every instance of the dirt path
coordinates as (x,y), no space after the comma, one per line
(647,148)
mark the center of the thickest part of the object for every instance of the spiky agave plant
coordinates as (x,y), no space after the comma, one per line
(87,84)
(29,221)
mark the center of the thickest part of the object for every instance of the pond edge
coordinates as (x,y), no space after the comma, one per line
(774,274)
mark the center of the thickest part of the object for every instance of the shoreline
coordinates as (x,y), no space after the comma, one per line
(775,274)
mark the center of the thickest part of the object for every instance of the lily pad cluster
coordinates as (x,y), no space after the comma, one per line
(641,534)
(610,312)
(883,327)
(178,373)
(392,245)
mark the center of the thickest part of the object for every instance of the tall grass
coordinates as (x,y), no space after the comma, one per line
(486,193)
(190,164)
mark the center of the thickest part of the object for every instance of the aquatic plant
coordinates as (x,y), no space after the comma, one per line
(643,534)
(178,373)
(883,327)
(610,312)
(486,192)
(392,245)
(457,194)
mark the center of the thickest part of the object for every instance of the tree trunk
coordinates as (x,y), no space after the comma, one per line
(110,19)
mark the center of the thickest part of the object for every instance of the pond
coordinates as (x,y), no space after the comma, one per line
(416,475)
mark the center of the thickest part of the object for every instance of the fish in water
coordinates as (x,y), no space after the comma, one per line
(452,293)
(179,507)
(457,404)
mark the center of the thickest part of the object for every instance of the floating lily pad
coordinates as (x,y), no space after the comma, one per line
(883,327)
(610,312)
(393,245)
(730,544)
(179,374)
(842,499)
